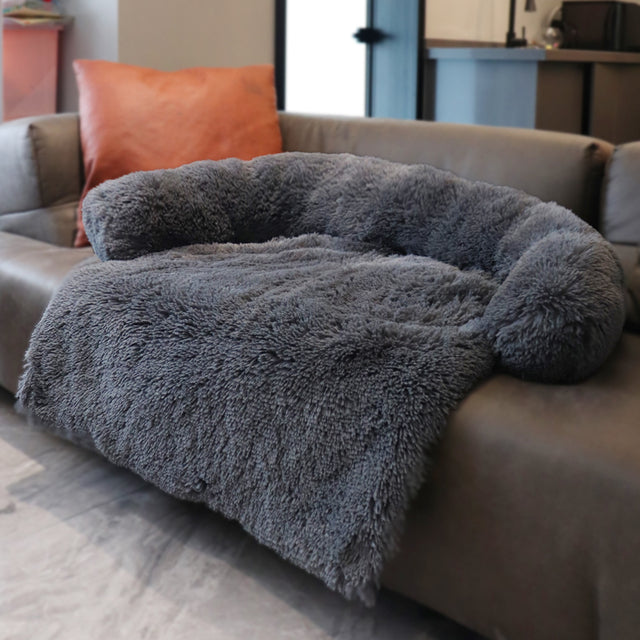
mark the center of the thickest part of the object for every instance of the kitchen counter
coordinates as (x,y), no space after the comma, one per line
(576,91)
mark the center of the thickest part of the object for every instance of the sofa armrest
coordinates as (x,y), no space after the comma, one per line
(40,169)
(30,273)
(629,256)
(621,196)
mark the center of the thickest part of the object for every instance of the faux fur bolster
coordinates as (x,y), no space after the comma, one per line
(556,316)
(415,209)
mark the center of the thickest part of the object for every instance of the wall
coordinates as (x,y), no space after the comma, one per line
(484,20)
(163,35)
(1,83)
(93,34)
(170,35)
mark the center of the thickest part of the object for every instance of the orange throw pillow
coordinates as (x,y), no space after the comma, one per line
(138,119)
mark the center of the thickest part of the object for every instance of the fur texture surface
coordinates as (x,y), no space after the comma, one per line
(295,372)
(296,386)
(557,317)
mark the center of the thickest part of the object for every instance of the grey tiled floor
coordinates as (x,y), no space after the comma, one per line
(88,550)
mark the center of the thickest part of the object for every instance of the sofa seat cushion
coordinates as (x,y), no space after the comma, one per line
(54,225)
(533,510)
(30,273)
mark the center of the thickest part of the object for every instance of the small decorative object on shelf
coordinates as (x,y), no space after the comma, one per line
(512,40)
(553,37)
(31,12)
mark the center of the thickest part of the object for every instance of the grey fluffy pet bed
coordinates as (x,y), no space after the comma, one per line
(558,312)
(283,339)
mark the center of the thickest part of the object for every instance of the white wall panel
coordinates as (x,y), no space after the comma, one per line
(170,35)
(485,20)
(93,34)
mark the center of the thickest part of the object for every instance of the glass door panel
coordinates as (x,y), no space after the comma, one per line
(325,65)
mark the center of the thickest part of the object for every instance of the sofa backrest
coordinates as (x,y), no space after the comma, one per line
(41,174)
(564,168)
(40,177)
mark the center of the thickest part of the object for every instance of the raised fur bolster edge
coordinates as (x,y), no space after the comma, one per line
(556,316)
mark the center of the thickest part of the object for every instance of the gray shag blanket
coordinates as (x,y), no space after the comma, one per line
(283,339)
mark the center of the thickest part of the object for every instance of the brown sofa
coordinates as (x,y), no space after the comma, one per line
(529,528)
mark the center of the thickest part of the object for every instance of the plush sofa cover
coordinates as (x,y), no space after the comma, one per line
(529,526)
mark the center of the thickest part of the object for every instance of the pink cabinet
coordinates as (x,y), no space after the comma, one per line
(30,69)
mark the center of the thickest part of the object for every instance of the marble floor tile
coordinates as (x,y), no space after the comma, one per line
(90,551)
